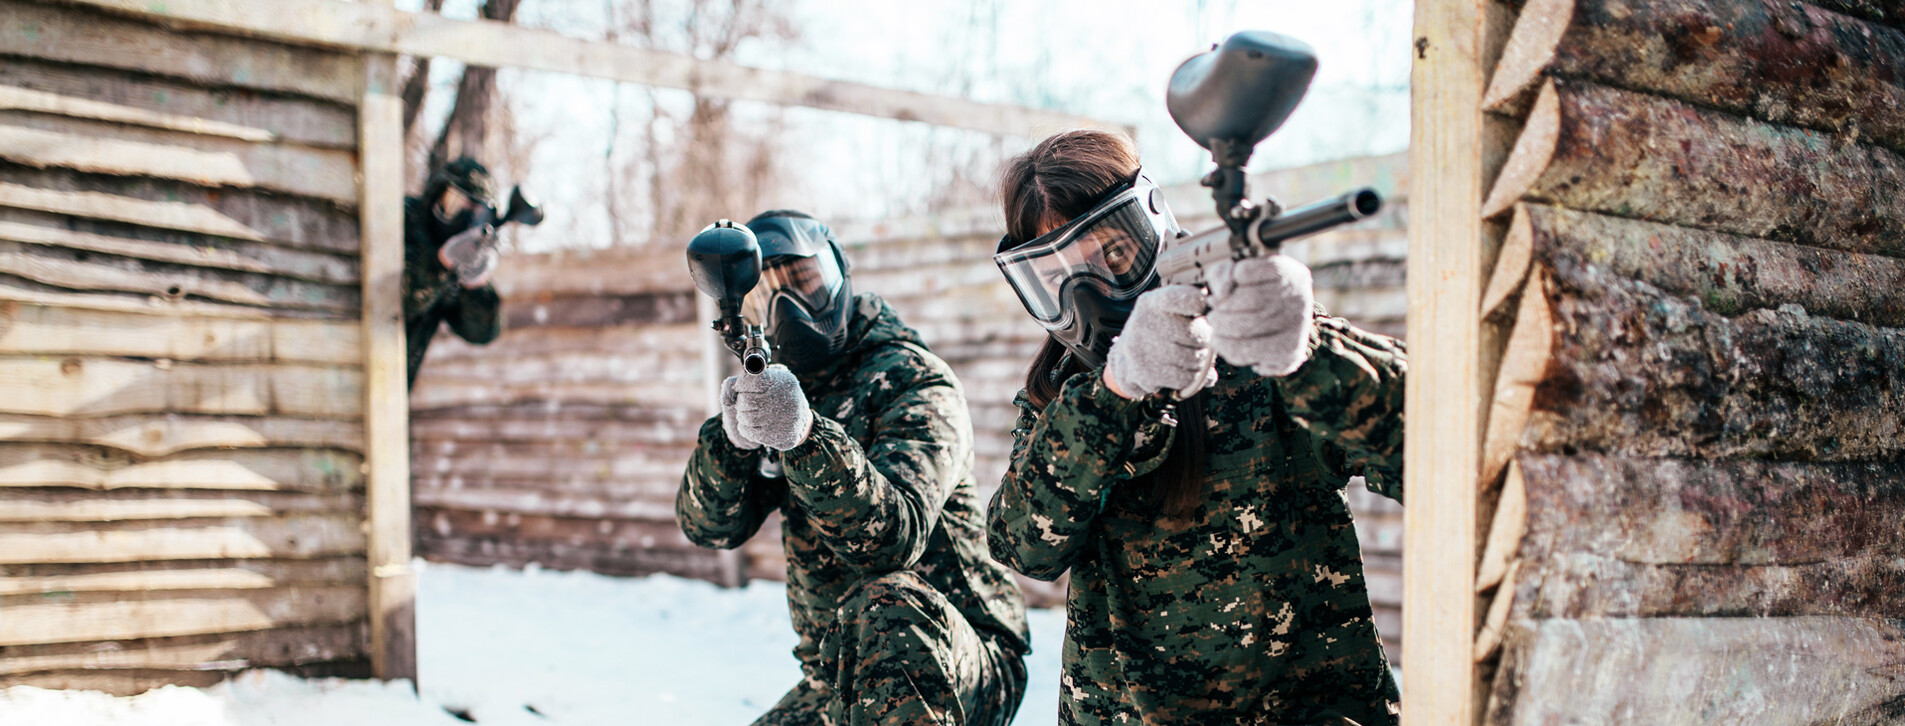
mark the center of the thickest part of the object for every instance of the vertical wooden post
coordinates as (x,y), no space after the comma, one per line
(393,647)
(1444,398)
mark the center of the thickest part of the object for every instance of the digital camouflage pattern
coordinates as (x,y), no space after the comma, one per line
(1252,608)
(431,294)
(886,561)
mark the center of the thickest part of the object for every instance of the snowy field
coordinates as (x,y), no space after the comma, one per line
(509,647)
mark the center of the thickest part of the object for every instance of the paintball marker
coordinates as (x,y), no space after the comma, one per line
(478,243)
(725,261)
(1228,100)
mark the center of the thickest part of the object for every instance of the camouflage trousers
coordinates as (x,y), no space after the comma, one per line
(900,653)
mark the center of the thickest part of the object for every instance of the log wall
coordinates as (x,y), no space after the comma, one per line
(182,436)
(1690,471)
(563,442)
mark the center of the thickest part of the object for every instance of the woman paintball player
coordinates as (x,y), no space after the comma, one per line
(1184,455)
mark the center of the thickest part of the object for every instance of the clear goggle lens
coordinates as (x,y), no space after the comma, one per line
(810,281)
(1111,248)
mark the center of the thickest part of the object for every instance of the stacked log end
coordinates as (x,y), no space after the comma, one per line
(1696,434)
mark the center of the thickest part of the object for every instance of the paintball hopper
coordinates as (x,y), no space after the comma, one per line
(725,262)
(521,211)
(1235,95)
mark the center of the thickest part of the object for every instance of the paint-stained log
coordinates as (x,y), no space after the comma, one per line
(153,435)
(212,161)
(174,205)
(1705,512)
(85,505)
(230,652)
(1711,670)
(91,467)
(161,245)
(289,536)
(1777,60)
(1583,585)
(122,616)
(56,33)
(85,386)
(1617,152)
(1637,372)
(82,270)
(30,579)
(49,330)
(281,118)
(1728,274)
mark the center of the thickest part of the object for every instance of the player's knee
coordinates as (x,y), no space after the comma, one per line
(892,599)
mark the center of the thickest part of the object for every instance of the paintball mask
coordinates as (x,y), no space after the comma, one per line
(1080,281)
(468,178)
(802,301)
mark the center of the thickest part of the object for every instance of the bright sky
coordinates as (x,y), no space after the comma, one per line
(1108,59)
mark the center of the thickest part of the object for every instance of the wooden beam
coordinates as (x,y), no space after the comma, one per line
(379,28)
(1446,264)
(66,505)
(48,330)
(1584,585)
(292,536)
(145,98)
(87,467)
(1785,62)
(123,616)
(41,578)
(1810,670)
(1639,372)
(156,435)
(1601,149)
(97,386)
(393,586)
(256,649)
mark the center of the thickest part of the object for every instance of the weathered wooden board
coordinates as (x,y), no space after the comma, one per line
(598,311)
(1729,274)
(573,544)
(82,270)
(180,575)
(161,245)
(1781,61)
(1583,586)
(280,118)
(14,100)
(118,682)
(543,502)
(582,343)
(87,386)
(212,161)
(60,331)
(1699,511)
(295,536)
(167,204)
(475,462)
(90,467)
(1600,149)
(1708,670)
(55,33)
(153,435)
(82,617)
(1637,372)
(509,370)
(566,422)
(437,392)
(81,505)
(230,652)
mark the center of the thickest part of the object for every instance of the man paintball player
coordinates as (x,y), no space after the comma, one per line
(902,616)
(438,288)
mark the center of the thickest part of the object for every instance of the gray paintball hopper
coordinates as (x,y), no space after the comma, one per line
(1241,91)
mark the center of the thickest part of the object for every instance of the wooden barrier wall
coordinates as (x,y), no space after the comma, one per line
(563,442)
(182,487)
(1690,478)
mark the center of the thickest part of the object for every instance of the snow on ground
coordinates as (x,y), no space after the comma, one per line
(513,648)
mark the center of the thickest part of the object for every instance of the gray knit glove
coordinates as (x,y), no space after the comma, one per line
(1261,313)
(770,408)
(730,421)
(1165,344)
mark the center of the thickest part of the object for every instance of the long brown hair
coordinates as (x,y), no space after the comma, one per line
(1062,177)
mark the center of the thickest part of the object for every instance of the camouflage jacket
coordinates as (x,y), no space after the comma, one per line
(431,294)
(884,482)
(1251,608)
